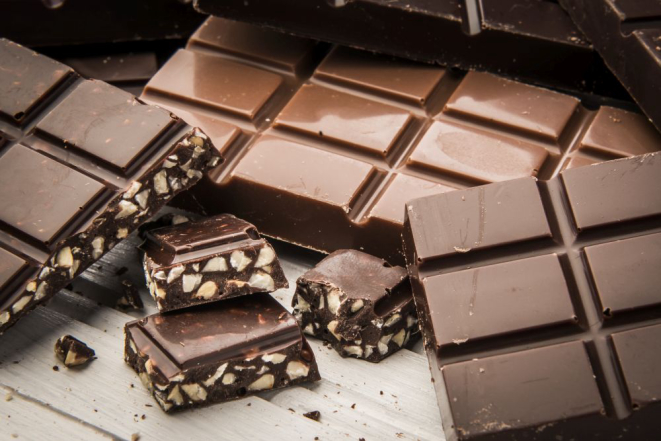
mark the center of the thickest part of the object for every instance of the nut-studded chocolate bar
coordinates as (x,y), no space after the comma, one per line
(219,352)
(358,303)
(540,303)
(208,260)
(83,164)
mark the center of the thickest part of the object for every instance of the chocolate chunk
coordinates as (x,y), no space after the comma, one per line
(539,303)
(314,415)
(359,304)
(84,165)
(628,35)
(208,260)
(326,153)
(130,298)
(73,352)
(530,39)
(219,352)
(60,22)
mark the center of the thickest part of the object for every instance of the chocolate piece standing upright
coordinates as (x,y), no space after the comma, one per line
(539,303)
(219,352)
(325,154)
(530,39)
(627,34)
(209,260)
(358,303)
(84,164)
(73,352)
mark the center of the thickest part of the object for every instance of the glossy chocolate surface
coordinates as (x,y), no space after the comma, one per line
(74,155)
(539,303)
(627,34)
(326,145)
(530,39)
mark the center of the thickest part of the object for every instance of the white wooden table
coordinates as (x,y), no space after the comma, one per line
(390,400)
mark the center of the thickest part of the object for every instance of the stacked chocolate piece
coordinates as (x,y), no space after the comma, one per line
(514,176)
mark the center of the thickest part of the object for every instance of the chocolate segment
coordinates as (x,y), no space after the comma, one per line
(219,353)
(83,165)
(529,39)
(627,34)
(208,260)
(359,304)
(73,352)
(539,303)
(325,153)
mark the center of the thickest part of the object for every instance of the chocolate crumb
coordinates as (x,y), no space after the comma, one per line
(56,368)
(353,406)
(313,415)
(121,271)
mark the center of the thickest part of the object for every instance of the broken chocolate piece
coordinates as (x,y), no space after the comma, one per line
(314,415)
(73,352)
(219,352)
(208,260)
(84,165)
(358,303)
(130,298)
(540,306)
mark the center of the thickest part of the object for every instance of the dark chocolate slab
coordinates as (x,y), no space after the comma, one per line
(326,145)
(627,34)
(539,303)
(219,353)
(59,22)
(530,39)
(82,165)
(207,260)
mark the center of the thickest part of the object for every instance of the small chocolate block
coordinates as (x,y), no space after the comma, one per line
(72,351)
(359,304)
(219,353)
(209,260)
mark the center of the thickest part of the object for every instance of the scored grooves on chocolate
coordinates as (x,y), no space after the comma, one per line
(409,129)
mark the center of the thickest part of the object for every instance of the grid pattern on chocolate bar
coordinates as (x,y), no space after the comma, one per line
(364,133)
(69,148)
(548,265)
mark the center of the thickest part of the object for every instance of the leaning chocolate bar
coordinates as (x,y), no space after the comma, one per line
(539,303)
(208,260)
(83,165)
(219,352)
(358,303)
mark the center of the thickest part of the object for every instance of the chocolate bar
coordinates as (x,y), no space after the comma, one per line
(59,22)
(83,165)
(539,303)
(73,352)
(219,352)
(530,39)
(358,303)
(324,148)
(209,260)
(627,34)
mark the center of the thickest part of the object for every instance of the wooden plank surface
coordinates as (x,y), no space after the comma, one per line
(390,400)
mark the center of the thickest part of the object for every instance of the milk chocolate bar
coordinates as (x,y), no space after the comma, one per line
(60,22)
(83,164)
(209,260)
(358,303)
(219,352)
(539,303)
(324,148)
(531,39)
(627,34)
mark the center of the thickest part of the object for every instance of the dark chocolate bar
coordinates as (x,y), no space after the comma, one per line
(526,39)
(326,153)
(627,34)
(359,304)
(219,352)
(83,165)
(209,260)
(59,22)
(539,303)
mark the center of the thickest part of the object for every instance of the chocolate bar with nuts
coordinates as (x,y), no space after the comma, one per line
(358,303)
(219,352)
(208,260)
(83,164)
(73,352)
